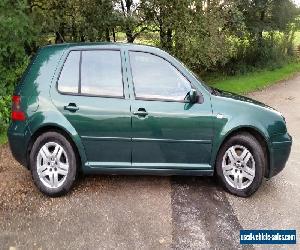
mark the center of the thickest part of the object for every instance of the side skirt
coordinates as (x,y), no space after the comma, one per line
(124,168)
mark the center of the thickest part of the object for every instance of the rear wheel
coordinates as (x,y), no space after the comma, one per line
(240,164)
(53,164)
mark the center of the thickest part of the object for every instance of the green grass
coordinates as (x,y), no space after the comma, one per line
(243,84)
(3,138)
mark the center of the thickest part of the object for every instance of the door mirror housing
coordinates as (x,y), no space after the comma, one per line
(191,96)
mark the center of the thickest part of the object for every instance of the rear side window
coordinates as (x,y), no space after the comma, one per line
(92,72)
(69,76)
(101,73)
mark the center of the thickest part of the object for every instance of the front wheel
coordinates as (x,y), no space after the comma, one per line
(53,164)
(240,164)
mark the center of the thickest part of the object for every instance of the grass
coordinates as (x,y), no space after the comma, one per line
(243,84)
(3,138)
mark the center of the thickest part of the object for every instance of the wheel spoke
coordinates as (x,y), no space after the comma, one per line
(51,179)
(44,173)
(57,152)
(63,166)
(238,181)
(247,175)
(229,172)
(62,172)
(42,168)
(45,153)
(232,155)
(247,157)
(227,167)
(55,179)
(249,171)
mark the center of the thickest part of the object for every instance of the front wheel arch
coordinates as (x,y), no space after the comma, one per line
(258,135)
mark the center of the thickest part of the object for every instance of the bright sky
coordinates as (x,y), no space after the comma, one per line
(297,2)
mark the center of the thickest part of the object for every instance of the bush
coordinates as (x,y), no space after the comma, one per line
(8,80)
(4,112)
(248,55)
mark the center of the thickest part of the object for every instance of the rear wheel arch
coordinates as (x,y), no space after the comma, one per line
(52,128)
(258,135)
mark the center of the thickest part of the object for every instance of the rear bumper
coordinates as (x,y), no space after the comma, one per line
(18,138)
(279,154)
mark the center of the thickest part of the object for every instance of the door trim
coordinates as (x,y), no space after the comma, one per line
(171,140)
(105,138)
(143,139)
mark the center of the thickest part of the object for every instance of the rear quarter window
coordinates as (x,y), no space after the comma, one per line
(69,77)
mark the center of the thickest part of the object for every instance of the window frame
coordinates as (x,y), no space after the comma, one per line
(160,99)
(79,77)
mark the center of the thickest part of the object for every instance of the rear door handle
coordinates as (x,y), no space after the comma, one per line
(141,112)
(71,107)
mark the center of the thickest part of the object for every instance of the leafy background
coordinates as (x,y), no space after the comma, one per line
(215,38)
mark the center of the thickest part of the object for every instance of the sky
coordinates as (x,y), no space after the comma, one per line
(297,2)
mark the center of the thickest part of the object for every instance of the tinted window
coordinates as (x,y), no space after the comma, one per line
(69,76)
(156,78)
(101,73)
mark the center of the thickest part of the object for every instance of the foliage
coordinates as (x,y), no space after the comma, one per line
(3,138)
(15,33)
(209,36)
(267,37)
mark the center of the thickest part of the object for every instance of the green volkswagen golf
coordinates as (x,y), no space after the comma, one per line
(131,109)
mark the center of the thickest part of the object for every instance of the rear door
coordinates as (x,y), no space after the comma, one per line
(167,132)
(92,96)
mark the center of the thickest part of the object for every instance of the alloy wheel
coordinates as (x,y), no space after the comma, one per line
(52,165)
(238,167)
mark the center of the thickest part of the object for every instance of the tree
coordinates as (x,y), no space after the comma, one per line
(133,22)
(269,30)
(15,31)
(158,14)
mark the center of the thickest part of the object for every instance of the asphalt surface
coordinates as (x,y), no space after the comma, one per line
(146,212)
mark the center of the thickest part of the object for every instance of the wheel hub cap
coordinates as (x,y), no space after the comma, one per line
(52,165)
(238,167)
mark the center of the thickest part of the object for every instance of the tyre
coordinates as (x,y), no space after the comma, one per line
(240,164)
(53,164)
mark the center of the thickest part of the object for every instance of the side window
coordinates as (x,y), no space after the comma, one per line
(101,73)
(156,78)
(69,76)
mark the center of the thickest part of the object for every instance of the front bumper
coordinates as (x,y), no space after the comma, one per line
(279,153)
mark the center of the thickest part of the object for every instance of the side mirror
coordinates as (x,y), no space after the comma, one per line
(191,96)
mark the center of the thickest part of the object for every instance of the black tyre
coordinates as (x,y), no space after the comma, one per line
(240,164)
(53,164)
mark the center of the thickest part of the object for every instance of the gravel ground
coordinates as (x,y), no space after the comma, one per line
(143,212)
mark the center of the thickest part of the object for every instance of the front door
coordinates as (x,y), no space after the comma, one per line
(167,132)
(91,96)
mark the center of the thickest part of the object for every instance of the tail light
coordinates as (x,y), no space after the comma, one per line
(16,113)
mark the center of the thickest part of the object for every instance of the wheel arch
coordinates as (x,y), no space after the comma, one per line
(259,136)
(54,128)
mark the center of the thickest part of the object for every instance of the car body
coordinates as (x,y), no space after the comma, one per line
(117,132)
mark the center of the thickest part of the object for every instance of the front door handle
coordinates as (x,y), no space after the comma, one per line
(71,107)
(141,112)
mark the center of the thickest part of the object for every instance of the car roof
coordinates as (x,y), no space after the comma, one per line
(98,45)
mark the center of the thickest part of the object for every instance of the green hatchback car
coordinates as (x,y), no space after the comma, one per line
(131,109)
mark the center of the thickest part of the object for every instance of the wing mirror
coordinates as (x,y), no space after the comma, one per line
(191,96)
